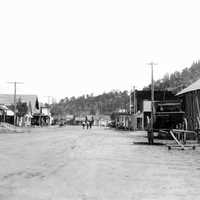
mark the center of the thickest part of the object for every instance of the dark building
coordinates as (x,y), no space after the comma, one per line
(160,95)
(143,105)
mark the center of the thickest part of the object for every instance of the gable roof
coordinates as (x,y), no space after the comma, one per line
(194,86)
(8,99)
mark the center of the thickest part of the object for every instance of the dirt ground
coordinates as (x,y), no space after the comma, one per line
(70,163)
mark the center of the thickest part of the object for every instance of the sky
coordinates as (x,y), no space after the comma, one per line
(76,47)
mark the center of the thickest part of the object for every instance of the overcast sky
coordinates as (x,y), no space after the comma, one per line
(75,47)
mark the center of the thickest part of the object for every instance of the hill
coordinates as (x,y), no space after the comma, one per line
(107,103)
(178,80)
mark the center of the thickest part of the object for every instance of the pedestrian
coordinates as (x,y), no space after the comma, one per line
(83,124)
(92,121)
(88,124)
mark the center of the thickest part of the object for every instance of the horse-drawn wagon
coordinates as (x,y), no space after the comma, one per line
(169,120)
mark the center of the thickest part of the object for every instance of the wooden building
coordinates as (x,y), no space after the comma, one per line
(191,104)
(7,100)
(122,120)
(6,115)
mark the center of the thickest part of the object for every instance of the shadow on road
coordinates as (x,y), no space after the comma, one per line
(146,143)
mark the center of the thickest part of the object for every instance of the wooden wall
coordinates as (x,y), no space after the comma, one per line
(191,107)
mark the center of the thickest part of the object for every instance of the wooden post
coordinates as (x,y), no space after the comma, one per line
(151,135)
(198,136)
(15,85)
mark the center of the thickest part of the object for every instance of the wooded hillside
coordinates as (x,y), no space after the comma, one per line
(178,80)
(107,103)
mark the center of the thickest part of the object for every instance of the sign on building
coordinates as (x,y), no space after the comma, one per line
(146,106)
(45,111)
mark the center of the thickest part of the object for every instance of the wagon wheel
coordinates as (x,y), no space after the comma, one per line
(198,123)
(185,127)
(148,122)
(198,129)
(185,124)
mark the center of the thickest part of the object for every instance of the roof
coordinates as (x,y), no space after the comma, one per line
(159,95)
(8,99)
(3,107)
(6,110)
(192,87)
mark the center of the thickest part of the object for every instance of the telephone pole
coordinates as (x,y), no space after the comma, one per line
(15,91)
(49,99)
(130,102)
(134,107)
(152,64)
(134,101)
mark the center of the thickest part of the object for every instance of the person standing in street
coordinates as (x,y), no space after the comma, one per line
(83,124)
(87,124)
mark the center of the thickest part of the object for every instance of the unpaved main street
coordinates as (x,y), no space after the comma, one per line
(97,164)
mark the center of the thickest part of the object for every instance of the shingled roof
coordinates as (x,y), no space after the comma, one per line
(194,86)
(8,99)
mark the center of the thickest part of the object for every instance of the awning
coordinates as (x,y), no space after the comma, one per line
(9,113)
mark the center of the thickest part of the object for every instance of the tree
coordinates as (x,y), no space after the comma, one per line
(22,108)
(178,80)
(105,103)
(37,104)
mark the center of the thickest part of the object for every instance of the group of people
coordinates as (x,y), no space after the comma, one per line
(87,123)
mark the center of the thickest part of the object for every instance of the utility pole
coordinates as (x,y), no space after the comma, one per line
(130,102)
(15,101)
(130,106)
(152,64)
(49,99)
(134,108)
(134,100)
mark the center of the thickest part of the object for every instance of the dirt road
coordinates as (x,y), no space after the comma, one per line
(73,164)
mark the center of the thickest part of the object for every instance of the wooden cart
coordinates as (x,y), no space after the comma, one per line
(167,115)
(180,139)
